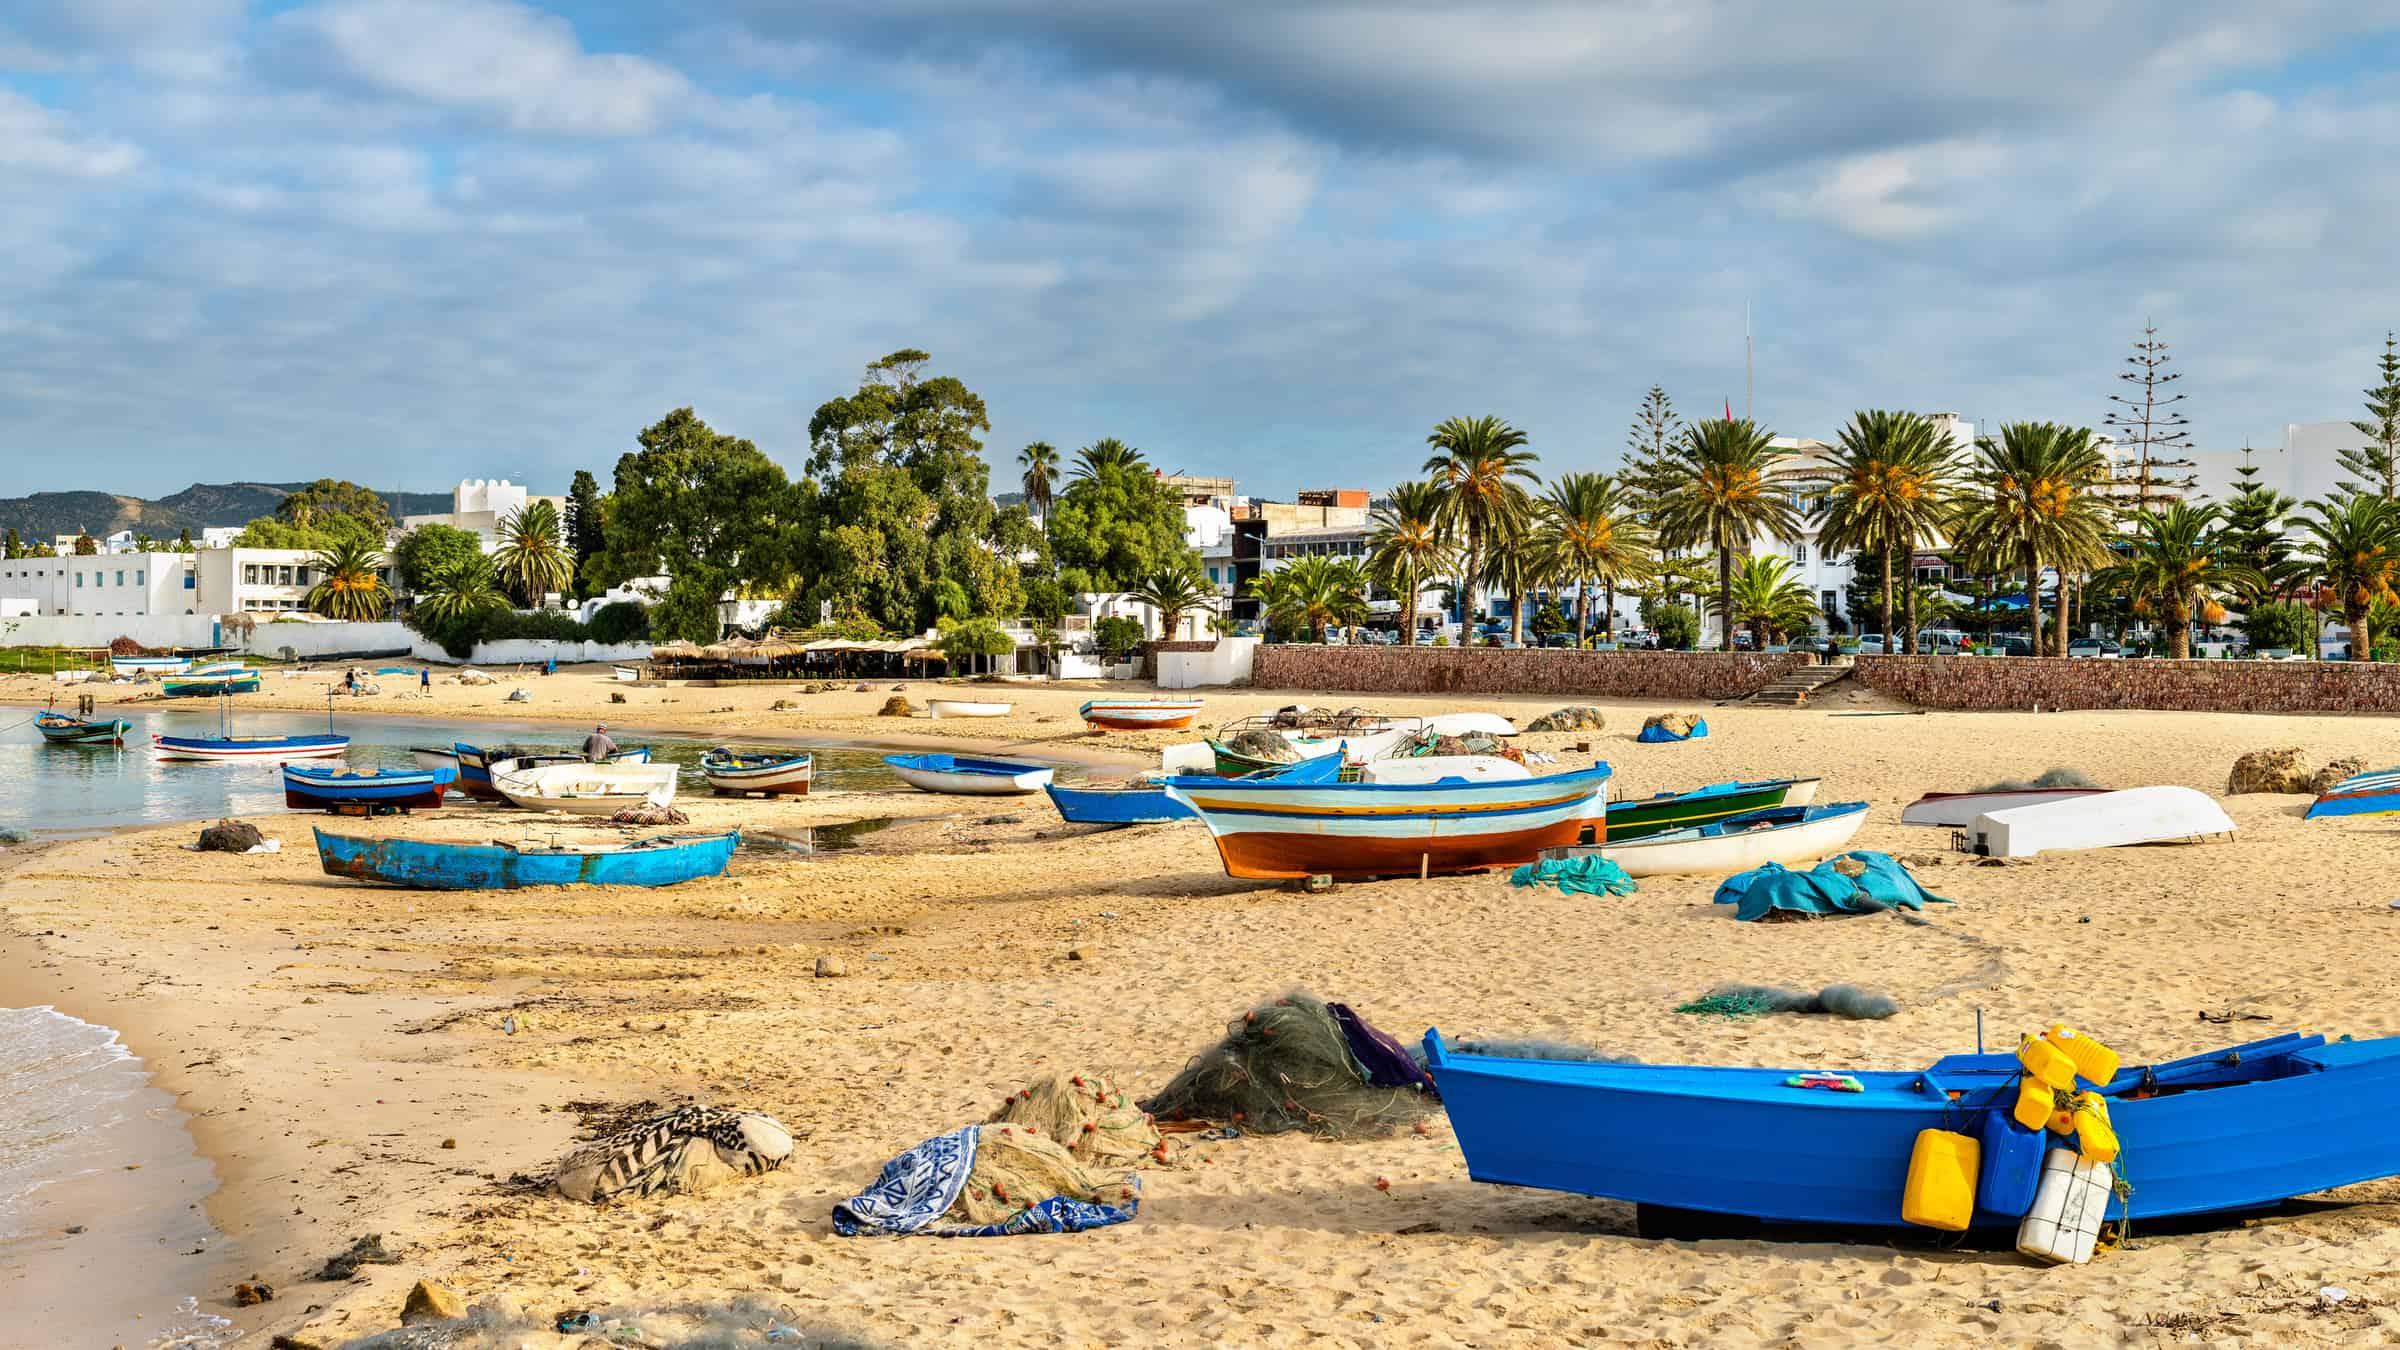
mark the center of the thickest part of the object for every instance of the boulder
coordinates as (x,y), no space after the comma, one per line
(432,1301)
(230,836)
(2334,772)
(896,706)
(1574,717)
(831,968)
(2283,769)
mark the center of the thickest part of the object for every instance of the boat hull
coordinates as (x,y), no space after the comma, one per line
(321,789)
(427,757)
(2365,794)
(582,789)
(1141,714)
(1646,816)
(1957,810)
(249,747)
(475,769)
(209,686)
(149,665)
(951,707)
(954,776)
(1125,804)
(1267,828)
(59,729)
(1699,852)
(426,865)
(768,775)
(2144,815)
(2284,1122)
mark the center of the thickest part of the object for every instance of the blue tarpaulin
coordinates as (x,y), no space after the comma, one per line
(1657,735)
(1824,889)
(1590,874)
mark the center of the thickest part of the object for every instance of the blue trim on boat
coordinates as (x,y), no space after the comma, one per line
(334,786)
(1319,765)
(940,763)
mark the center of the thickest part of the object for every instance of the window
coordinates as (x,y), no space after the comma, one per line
(79,579)
(1212,576)
(120,576)
(249,574)
(190,582)
(138,578)
(1827,601)
(1800,555)
(283,576)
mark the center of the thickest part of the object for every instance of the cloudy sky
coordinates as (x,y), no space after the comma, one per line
(407,241)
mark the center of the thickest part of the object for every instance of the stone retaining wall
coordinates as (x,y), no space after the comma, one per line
(1994,683)
(1495,670)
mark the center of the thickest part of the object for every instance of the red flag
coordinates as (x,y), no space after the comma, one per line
(1729,410)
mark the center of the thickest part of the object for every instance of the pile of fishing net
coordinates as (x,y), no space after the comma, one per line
(1740,1001)
(648,813)
(1269,747)
(2051,778)
(989,1181)
(1300,1063)
(684,1151)
(1096,1122)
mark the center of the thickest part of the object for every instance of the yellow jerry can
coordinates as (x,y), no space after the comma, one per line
(2095,1137)
(2048,1063)
(1940,1191)
(2035,1103)
(2096,1062)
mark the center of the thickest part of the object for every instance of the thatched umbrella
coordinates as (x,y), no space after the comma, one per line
(775,649)
(675,649)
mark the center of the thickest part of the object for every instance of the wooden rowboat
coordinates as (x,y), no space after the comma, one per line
(1141,714)
(1641,817)
(211,685)
(731,773)
(59,729)
(307,787)
(2376,793)
(957,707)
(475,771)
(1306,822)
(585,789)
(2144,815)
(1784,834)
(433,757)
(249,747)
(430,865)
(149,665)
(961,776)
(1141,802)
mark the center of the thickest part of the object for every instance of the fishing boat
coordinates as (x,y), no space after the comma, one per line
(1306,822)
(433,757)
(1368,737)
(624,674)
(475,772)
(584,789)
(1141,714)
(250,747)
(307,787)
(211,685)
(149,665)
(2224,1131)
(1957,810)
(731,773)
(1442,769)
(960,776)
(2144,815)
(2375,793)
(59,729)
(1144,801)
(1640,817)
(959,707)
(429,865)
(1782,834)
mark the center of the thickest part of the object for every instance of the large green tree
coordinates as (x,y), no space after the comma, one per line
(1479,462)
(1732,492)
(1889,493)
(1767,601)
(897,501)
(704,508)
(1315,593)
(430,550)
(325,531)
(1651,474)
(586,526)
(314,504)
(1116,523)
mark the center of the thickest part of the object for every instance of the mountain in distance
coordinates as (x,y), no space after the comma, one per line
(199,506)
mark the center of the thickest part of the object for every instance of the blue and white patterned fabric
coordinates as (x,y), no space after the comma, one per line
(917,1188)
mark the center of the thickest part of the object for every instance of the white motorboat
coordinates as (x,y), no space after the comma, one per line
(2144,815)
(1789,835)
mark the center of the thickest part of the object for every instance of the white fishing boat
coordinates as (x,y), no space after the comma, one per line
(1957,810)
(1468,724)
(959,707)
(431,757)
(2144,815)
(960,776)
(784,774)
(585,789)
(1789,835)
(149,665)
(627,674)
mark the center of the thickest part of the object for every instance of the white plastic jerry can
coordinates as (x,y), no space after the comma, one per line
(2068,1208)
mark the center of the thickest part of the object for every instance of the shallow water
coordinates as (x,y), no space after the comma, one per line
(67,789)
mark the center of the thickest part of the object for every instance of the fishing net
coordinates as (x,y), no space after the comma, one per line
(1287,1065)
(1575,1052)
(1099,1124)
(718,1324)
(1736,1002)
(2052,778)
(1269,747)
(1017,1168)
(648,813)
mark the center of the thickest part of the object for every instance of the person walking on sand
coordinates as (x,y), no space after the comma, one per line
(425,680)
(597,746)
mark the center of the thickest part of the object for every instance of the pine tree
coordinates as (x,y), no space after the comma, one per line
(2148,422)
(2379,461)
(584,526)
(1651,474)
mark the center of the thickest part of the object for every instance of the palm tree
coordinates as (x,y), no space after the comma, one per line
(1041,474)
(531,556)
(2176,564)
(465,588)
(1518,569)
(1316,591)
(1591,532)
(2355,544)
(1888,496)
(1732,492)
(1106,453)
(1174,591)
(2029,501)
(1768,601)
(1475,460)
(349,583)
(1408,543)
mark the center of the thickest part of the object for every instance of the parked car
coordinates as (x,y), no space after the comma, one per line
(1559,640)
(1941,641)
(2016,647)
(2096,648)
(1870,644)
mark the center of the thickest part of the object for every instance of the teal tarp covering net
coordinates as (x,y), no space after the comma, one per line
(1824,889)
(1591,874)
(1662,736)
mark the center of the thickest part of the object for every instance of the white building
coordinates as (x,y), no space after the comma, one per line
(481,505)
(213,581)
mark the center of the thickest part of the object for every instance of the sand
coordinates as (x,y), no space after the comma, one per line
(328,1036)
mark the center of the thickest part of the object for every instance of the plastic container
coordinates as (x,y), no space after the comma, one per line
(2095,1137)
(2035,1103)
(2094,1061)
(2048,1063)
(2069,1206)
(1940,1190)
(2012,1166)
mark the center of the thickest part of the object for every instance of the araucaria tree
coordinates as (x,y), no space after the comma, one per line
(1888,493)
(1732,492)
(1651,474)
(2028,502)
(706,509)
(1590,533)
(1408,545)
(2148,421)
(1477,462)
(586,525)
(2378,461)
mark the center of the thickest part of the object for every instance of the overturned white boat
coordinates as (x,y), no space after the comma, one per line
(1958,810)
(586,789)
(2144,815)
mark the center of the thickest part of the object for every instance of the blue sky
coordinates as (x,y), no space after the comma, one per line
(408,241)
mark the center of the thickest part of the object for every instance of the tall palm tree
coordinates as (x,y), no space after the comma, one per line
(469,586)
(1590,533)
(532,556)
(1175,590)
(2176,564)
(1314,591)
(2029,501)
(1889,494)
(1476,461)
(1517,569)
(1041,475)
(1732,492)
(2355,543)
(349,583)
(1407,544)
(1767,601)
(1106,453)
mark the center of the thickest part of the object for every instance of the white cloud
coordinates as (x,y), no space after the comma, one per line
(37,140)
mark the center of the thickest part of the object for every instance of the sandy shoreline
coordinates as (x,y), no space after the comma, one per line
(326,1037)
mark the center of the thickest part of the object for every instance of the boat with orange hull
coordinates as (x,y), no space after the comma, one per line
(1303,824)
(1141,714)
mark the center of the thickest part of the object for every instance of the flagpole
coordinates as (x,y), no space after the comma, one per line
(1748,414)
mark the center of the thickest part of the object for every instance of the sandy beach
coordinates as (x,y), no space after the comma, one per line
(328,1037)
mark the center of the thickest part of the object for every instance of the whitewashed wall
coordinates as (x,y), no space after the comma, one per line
(1226,663)
(535,651)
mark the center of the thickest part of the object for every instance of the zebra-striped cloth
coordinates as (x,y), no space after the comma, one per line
(685,1150)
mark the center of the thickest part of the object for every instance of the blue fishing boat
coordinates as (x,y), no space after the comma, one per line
(428,865)
(2228,1130)
(249,747)
(1141,802)
(211,684)
(961,776)
(309,787)
(2374,793)
(475,764)
(60,729)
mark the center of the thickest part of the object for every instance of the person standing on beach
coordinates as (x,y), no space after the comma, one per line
(425,680)
(597,746)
